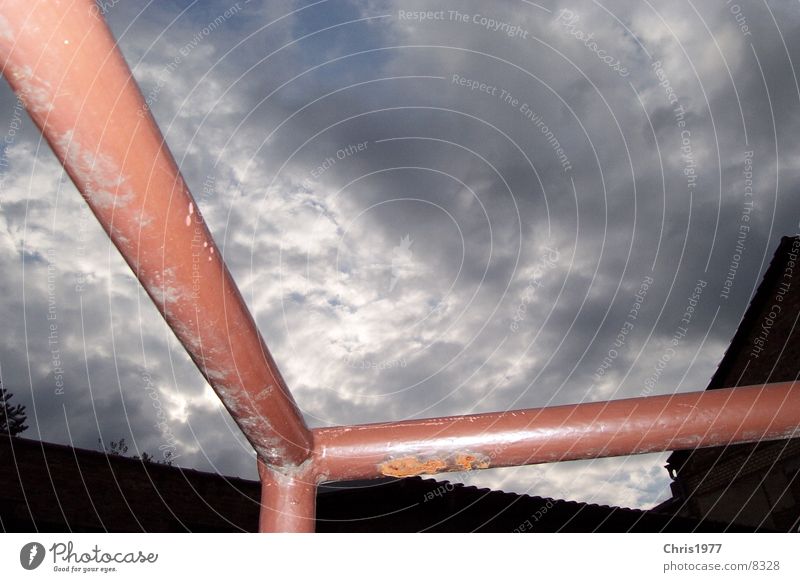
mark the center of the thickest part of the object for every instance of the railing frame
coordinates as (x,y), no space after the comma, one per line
(63,62)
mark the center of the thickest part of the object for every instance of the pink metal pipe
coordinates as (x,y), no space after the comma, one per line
(288,500)
(62,60)
(559,433)
(526,437)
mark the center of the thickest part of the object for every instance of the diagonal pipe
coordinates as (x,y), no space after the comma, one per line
(63,62)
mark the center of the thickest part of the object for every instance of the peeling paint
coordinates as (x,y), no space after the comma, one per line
(144,220)
(169,289)
(264,394)
(185,332)
(216,375)
(230,398)
(102,181)
(36,94)
(268,448)
(468,462)
(6,32)
(412,466)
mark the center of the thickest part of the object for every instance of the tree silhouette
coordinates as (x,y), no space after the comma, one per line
(120,449)
(12,417)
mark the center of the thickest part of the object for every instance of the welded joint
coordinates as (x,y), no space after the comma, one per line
(305,471)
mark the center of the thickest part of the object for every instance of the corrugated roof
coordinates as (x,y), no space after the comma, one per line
(50,487)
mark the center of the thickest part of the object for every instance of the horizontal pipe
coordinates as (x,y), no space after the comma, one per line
(63,62)
(559,433)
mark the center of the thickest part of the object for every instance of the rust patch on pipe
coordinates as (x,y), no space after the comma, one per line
(468,462)
(413,466)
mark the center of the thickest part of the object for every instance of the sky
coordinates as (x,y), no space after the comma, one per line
(430,208)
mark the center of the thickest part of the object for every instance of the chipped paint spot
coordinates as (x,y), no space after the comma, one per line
(5,30)
(264,394)
(35,93)
(468,462)
(169,292)
(411,466)
(144,220)
(99,176)
(188,220)
(216,375)
(186,334)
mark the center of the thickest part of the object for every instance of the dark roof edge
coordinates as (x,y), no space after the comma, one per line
(749,320)
(757,302)
(118,459)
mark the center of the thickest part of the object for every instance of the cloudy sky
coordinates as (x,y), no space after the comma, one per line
(429,214)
